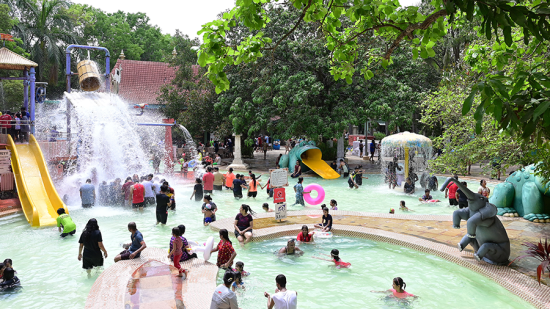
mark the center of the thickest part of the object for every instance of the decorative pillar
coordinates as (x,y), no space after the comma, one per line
(340,150)
(168,149)
(237,161)
(32,90)
(26,89)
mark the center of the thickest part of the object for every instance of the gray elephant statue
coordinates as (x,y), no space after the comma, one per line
(485,232)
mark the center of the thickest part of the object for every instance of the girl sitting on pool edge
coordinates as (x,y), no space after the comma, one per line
(326,224)
(398,289)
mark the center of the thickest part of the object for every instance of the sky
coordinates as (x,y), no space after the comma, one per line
(186,15)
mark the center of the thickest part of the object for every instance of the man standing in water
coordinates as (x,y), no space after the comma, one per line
(126,190)
(208,181)
(392,173)
(149,190)
(218,179)
(133,249)
(137,193)
(282,298)
(87,194)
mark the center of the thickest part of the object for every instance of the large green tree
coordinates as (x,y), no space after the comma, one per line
(121,31)
(46,29)
(291,91)
(511,97)
(11,91)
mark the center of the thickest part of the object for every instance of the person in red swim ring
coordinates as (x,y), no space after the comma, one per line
(305,235)
(398,289)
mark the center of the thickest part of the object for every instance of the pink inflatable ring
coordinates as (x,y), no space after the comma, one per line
(320,194)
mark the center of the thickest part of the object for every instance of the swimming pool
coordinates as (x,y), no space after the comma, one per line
(372,196)
(437,282)
(52,276)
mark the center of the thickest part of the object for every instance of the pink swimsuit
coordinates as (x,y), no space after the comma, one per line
(404,294)
(341,264)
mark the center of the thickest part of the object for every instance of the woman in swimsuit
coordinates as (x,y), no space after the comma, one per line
(290,248)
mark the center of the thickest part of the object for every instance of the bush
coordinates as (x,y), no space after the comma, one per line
(379,136)
(329,154)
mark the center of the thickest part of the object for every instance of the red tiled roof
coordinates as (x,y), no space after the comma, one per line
(140,81)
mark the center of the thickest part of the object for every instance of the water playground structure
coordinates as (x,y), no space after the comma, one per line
(37,194)
(411,150)
(311,157)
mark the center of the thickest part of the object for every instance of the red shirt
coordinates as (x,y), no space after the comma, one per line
(126,189)
(208,181)
(6,124)
(306,239)
(225,250)
(452,190)
(139,193)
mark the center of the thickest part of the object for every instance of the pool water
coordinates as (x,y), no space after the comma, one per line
(372,196)
(51,276)
(437,282)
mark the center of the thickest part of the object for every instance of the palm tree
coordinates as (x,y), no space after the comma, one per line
(46,29)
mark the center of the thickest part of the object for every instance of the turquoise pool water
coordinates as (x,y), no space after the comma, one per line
(437,282)
(52,276)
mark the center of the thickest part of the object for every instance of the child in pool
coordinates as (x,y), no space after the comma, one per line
(207,214)
(239,267)
(333,205)
(403,207)
(427,198)
(177,251)
(398,289)
(238,283)
(334,254)
(265,207)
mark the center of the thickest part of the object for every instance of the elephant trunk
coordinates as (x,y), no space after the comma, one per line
(469,194)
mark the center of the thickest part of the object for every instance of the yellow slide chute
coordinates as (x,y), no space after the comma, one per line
(312,159)
(35,188)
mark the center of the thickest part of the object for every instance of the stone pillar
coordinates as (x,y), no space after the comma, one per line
(237,161)
(340,151)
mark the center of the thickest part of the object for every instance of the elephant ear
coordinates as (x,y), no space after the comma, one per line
(488,211)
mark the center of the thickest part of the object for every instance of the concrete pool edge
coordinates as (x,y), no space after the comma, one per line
(514,281)
(109,288)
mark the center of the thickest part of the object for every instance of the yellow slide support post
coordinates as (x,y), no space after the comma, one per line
(35,188)
(312,159)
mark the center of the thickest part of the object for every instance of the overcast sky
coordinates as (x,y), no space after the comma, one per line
(186,15)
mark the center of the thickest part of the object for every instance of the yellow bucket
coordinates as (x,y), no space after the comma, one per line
(88,75)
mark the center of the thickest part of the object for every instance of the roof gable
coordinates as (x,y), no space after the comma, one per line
(141,81)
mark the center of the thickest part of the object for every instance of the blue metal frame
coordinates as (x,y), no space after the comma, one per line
(107,65)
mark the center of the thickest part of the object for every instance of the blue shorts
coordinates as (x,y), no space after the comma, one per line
(207,220)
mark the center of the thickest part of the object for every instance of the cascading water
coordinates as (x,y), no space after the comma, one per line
(108,140)
(199,170)
(414,149)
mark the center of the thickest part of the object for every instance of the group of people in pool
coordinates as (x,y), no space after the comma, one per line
(7,276)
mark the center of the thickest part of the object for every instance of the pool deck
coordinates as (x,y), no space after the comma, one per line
(432,234)
(111,286)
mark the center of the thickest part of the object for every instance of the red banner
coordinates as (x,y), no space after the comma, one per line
(279,195)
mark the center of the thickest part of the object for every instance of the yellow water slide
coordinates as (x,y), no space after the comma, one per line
(312,159)
(35,188)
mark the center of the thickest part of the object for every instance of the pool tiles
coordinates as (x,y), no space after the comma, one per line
(110,288)
(521,285)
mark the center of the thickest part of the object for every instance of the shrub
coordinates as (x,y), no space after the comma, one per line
(379,136)
(328,153)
